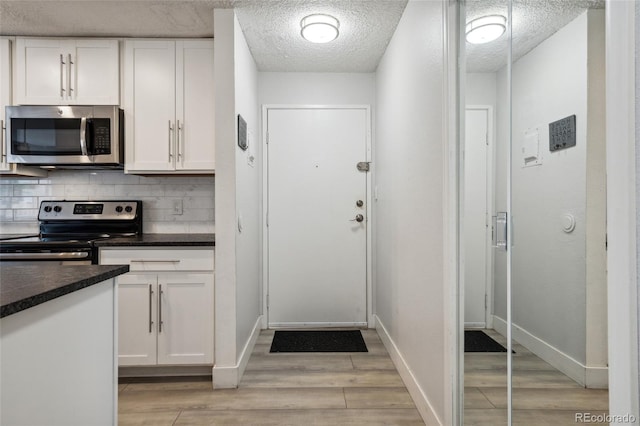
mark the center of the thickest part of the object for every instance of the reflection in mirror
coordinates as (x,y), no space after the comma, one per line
(485,357)
(535,97)
(558,279)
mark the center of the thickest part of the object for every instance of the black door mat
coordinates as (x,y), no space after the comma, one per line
(318,341)
(479,341)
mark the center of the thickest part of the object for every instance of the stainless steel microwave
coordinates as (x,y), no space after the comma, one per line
(76,136)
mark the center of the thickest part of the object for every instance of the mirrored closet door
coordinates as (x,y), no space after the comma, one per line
(533,243)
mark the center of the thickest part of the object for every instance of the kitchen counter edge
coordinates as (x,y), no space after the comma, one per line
(24,286)
(160,240)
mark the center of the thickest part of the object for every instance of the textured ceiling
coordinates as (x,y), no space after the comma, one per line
(272,30)
(533,22)
(272,26)
(103,18)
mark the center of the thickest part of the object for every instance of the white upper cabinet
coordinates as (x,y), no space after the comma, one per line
(168,104)
(67,72)
(5,99)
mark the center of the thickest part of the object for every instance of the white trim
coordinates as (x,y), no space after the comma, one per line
(593,377)
(453,88)
(417,394)
(475,325)
(229,377)
(317,325)
(265,209)
(622,280)
(491,182)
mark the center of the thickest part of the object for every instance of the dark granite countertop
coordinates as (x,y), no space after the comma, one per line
(161,240)
(25,286)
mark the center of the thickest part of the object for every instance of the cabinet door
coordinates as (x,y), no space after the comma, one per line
(186,313)
(137,319)
(194,105)
(149,105)
(41,71)
(5,99)
(94,73)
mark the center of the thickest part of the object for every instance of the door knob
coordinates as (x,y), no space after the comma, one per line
(359,218)
(359,203)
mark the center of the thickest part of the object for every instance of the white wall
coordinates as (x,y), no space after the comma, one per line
(225,369)
(637,56)
(480,89)
(238,257)
(20,198)
(299,88)
(622,213)
(549,268)
(248,196)
(408,168)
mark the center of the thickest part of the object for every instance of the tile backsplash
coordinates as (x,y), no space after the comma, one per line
(20,198)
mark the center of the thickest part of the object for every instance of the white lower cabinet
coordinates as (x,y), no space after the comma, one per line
(165,314)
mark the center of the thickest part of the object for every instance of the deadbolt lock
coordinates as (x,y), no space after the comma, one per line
(359,203)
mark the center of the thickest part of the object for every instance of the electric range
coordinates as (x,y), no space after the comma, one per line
(69,230)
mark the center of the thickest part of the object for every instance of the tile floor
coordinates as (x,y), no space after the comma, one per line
(337,389)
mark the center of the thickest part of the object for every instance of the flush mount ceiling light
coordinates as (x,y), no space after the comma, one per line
(485,29)
(319,28)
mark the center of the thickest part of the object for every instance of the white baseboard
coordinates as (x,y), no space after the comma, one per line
(417,394)
(475,325)
(303,325)
(591,377)
(229,377)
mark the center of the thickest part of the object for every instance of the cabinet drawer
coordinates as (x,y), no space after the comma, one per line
(159,259)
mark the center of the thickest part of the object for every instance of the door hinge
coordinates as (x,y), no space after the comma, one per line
(363,166)
(267,138)
(267,302)
(267,219)
(485,302)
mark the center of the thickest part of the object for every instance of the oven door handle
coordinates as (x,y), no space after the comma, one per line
(83,136)
(45,256)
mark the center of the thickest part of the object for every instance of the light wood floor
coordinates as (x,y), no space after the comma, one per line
(541,396)
(337,389)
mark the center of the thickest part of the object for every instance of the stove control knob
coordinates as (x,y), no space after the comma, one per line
(47,209)
(57,209)
(128,209)
(119,209)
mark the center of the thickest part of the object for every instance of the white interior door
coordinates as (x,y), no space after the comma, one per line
(317,251)
(476,217)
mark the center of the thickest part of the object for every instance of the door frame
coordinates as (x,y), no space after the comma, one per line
(490,204)
(265,205)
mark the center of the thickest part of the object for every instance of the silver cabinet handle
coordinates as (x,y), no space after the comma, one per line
(170,147)
(62,64)
(150,303)
(178,140)
(69,87)
(160,292)
(3,138)
(83,136)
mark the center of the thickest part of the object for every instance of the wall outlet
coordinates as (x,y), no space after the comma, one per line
(177,206)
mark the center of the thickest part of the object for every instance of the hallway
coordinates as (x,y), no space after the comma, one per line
(280,389)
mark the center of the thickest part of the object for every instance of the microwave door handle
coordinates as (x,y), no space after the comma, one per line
(83,136)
